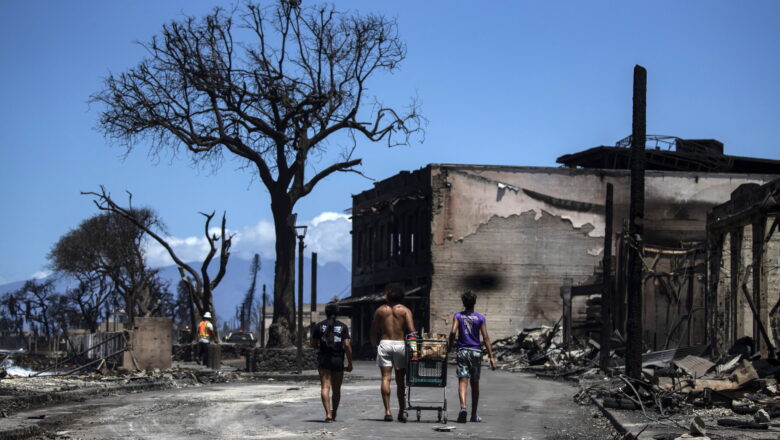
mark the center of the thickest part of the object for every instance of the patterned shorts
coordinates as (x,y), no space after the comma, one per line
(469,363)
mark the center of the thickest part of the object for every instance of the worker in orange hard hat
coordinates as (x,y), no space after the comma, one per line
(205,337)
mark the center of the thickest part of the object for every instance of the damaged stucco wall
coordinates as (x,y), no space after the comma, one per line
(676,203)
(515,265)
(528,228)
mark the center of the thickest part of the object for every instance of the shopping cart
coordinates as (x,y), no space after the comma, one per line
(426,366)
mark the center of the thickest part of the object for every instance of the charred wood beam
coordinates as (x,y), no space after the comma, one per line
(606,293)
(711,277)
(735,257)
(758,252)
(636,226)
(772,229)
(756,314)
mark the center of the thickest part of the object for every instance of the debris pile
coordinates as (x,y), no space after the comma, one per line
(21,392)
(541,350)
(688,389)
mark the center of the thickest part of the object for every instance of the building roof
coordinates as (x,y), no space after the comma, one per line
(669,153)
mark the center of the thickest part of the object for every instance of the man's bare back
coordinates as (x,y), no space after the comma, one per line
(394,321)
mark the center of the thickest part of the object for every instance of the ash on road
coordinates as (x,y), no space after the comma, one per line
(513,405)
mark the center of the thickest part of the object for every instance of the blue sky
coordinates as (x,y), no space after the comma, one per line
(516,83)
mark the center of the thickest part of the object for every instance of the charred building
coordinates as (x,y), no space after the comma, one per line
(743,250)
(513,234)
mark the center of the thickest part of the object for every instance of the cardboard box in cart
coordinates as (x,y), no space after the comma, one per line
(434,350)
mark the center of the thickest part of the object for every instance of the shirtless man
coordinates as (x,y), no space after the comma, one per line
(393,320)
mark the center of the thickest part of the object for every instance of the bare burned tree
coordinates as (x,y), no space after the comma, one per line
(200,285)
(39,297)
(247,308)
(12,312)
(88,297)
(184,310)
(272,103)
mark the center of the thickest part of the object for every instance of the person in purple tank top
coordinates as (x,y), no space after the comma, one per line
(467,326)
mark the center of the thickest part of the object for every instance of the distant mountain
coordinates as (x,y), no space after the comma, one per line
(333,279)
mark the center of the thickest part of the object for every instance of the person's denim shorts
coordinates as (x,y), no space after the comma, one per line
(469,363)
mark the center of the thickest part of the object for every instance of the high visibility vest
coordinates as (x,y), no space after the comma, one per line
(203,330)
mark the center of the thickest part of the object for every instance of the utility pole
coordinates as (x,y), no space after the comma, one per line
(299,357)
(313,286)
(636,226)
(606,288)
(262,320)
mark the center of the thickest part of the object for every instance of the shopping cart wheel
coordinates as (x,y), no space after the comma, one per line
(445,421)
(418,415)
(445,418)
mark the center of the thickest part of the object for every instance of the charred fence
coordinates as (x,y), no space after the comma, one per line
(96,345)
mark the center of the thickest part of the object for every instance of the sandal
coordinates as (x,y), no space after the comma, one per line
(475,419)
(328,420)
(401,416)
(388,418)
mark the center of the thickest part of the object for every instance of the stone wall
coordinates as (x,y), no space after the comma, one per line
(283,359)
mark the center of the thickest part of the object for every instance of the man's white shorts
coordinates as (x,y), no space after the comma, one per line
(391,354)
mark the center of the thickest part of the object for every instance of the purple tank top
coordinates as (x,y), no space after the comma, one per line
(469,326)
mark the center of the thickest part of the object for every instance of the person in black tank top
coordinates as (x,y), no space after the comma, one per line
(332,339)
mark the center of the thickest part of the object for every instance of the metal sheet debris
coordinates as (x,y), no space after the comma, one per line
(694,365)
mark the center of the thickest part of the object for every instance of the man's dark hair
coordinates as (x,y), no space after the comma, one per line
(394,292)
(469,298)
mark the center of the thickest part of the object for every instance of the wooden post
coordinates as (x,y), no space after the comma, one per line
(759,226)
(262,319)
(606,289)
(299,357)
(619,294)
(636,227)
(313,286)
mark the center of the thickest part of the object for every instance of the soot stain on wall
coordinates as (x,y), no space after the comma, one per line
(482,280)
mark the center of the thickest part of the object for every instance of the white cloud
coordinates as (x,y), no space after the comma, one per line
(329,216)
(255,239)
(328,235)
(40,274)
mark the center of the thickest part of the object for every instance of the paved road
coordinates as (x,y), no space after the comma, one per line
(513,406)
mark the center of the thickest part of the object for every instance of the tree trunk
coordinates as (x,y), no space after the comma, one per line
(281,332)
(193,318)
